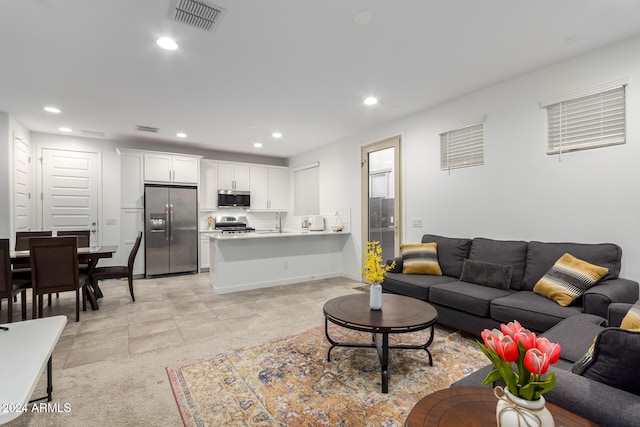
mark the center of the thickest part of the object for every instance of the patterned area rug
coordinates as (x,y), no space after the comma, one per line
(288,382)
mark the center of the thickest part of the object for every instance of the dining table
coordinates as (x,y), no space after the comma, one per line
(89,255)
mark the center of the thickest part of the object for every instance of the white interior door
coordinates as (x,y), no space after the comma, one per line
(22,184)
(70,191)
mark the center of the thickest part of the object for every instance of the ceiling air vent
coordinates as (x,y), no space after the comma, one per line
(196,13)
(146,129)
(92,133)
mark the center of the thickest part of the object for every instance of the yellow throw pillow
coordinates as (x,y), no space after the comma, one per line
(631,320)
(420,258)
(568,279)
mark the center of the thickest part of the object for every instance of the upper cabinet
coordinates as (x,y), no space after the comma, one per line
(170,168)
(233,177)
(208,185)
(268,188)
(131,180)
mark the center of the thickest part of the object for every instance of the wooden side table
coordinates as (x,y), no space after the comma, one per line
(474,406)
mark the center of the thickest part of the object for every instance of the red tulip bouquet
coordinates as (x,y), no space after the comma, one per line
(513,344)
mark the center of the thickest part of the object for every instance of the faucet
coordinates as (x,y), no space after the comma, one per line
(279,222)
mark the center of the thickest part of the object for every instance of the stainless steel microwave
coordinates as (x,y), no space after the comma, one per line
(234,199)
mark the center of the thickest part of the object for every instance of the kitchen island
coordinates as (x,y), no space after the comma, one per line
(266,258)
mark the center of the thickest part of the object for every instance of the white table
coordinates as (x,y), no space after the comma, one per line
(25,349)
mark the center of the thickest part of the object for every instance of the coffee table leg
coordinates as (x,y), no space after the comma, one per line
(385,363)
(332,342)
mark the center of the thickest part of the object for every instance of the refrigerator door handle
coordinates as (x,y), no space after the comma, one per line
(171,221)
(167,223)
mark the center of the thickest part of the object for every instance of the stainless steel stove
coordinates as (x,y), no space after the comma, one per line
(233,224)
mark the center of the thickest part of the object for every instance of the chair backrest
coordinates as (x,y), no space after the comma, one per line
(5,268)
(84,236)
(22,238)
(134,251)
(54,264)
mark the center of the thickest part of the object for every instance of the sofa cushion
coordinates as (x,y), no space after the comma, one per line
(504,252)
(467,297)
(575,335)
(631,320)
(413,285)
(567,280)
(487,274)
(613,360)
(533,311)
(542,256)
(451,253)
(420,258)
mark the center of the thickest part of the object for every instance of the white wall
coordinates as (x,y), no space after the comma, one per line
(520,192)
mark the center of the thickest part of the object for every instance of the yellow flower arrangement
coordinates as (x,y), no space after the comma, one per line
(373,268)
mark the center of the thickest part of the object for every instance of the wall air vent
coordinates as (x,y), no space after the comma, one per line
(146,129)
(92,133)
(196,13)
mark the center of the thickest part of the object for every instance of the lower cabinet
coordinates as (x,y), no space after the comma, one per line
(204,252)
(132,221)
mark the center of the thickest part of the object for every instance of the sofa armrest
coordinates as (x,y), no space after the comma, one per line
(596,299)
(603,404)
(617,311)
(398,267)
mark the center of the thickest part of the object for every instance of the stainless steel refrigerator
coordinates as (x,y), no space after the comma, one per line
(171,225)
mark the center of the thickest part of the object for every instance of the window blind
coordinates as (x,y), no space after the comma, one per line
(306,187)
(596,120)
(462,147)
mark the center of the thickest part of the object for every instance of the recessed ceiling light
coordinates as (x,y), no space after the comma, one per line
(363,18)
(181,135)
(167,43)
(370,101)
(63,129)
(276,135)
(257,144)
(52,110)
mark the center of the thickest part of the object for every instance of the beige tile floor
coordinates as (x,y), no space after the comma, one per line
(173,311)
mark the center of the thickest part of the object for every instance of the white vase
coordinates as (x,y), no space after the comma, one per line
(512,411)
(375,296)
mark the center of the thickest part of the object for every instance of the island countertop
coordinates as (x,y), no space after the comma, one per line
(266,234)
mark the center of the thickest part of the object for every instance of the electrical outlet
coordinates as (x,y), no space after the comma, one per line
(417,222)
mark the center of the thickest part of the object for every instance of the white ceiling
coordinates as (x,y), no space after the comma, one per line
(300,67)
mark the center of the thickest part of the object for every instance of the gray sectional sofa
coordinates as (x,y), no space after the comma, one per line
(472,307)
(607,393)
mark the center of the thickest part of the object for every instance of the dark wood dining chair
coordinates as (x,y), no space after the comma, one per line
(84,236)
(118,271)
(10,287)
(22,268)
(54,268)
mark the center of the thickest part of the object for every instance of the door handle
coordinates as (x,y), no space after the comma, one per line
(166,222)
(94,227)
(171,221)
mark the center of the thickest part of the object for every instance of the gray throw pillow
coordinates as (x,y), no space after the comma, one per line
(613,360)
(487,274)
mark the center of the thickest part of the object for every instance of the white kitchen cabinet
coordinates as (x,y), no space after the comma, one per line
(170,168)
(268,188)
(132,221)
(208,185)
(233,177)
(131,180)
(204,251)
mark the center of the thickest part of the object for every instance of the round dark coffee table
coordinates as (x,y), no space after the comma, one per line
(474,406)
(399,315)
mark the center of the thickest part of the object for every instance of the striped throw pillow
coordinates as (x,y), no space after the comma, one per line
(631,320)
(420,258)
(568,279)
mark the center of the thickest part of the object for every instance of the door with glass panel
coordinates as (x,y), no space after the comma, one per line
(381,196)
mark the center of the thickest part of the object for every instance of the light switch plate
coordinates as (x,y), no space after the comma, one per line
(417,222)
(111,221)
